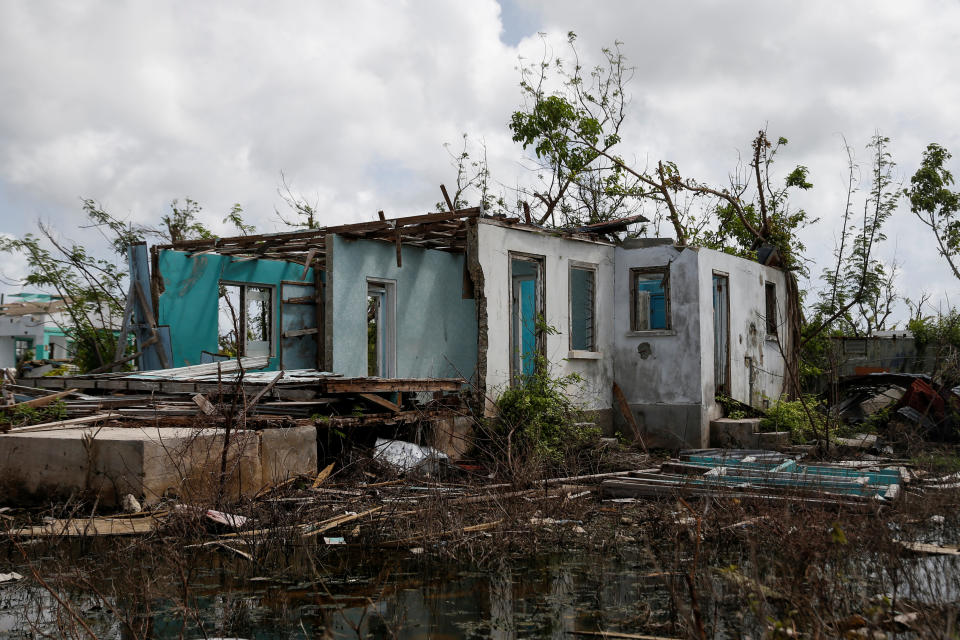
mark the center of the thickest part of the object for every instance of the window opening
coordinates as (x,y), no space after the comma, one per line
(582,305)
(650,299)
(770,292)
(721,334)
(23,349)
(245,320)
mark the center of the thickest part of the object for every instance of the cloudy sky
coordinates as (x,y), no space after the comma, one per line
(134,104)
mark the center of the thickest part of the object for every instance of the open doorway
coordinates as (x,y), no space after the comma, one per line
(381,329)
(721,334)
(526,308)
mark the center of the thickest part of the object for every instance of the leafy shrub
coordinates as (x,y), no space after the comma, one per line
(539,417)
(789,415)
(21,416)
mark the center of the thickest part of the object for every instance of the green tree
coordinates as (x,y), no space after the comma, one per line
(935,204)
(571,119)
(859,295)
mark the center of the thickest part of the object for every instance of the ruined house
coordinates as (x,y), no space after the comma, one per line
(466,295)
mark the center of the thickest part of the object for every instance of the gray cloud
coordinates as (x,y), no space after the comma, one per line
(135,104)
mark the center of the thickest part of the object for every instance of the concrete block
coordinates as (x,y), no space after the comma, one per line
(108,462)
(735,433)
(773,440)
(668,426)
(452,436)
(285,453)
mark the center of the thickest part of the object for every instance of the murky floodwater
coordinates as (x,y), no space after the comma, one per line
(346,593)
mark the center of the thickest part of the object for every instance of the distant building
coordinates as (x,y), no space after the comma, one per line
(32,327)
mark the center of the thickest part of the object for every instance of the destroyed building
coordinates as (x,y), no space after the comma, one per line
(463,295)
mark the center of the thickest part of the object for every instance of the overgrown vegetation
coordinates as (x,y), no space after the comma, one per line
(804,418)
(21,415)
(538,419)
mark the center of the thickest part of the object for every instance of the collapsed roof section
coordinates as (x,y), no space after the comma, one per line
(446,231)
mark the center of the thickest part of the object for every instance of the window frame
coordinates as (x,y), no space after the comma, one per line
(540,307)
(242,329)
(771,307)
(635,272)
(591,268)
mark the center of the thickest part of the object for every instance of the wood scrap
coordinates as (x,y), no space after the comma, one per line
(42,401)
(383,402)
(205,405)
(323,475)
(929,549)
(628,415)
(62,424)
(620,634)
(321,527)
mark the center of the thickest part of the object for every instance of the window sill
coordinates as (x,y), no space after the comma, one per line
(577,354)
(651,333)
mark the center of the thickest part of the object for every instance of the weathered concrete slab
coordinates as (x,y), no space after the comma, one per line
(734,432)
(285,453)
(108,462)
(774,440)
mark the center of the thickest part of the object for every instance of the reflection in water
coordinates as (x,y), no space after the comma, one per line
(403,596)
(501,604)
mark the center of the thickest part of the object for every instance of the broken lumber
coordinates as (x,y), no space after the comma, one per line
(383,402)
(63,424)
(628,415)
(42,401)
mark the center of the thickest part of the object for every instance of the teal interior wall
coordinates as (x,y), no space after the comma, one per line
(436,326)
(189,300)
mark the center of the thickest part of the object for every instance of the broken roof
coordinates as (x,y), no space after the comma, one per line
(446,231)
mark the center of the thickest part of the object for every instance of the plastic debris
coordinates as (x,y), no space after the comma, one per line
(406,456)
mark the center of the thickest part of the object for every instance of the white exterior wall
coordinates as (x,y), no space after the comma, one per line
(494,246)
(28,326)
(749,342)
(663,389)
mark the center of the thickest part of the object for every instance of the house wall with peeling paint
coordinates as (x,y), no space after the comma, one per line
(495,244)
(757,366)
(660,371)
(189,299)
(436,326)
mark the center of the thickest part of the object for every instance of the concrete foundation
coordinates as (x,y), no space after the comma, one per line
(734,433)
(744,433)
(106,463)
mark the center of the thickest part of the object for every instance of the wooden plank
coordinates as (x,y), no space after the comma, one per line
(323,475)
(205,405)
(446,197)
(306,265)
(293,333)
(375,385)
(81,527)
(397,241)
(628,415)
(151,325)
(300,300)
(383,402)
(42,401)
(262,392)
(63,424)
(125,325)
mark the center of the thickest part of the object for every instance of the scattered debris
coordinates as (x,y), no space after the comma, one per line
(406,456)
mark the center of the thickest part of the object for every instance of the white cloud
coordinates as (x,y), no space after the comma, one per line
(135,104)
